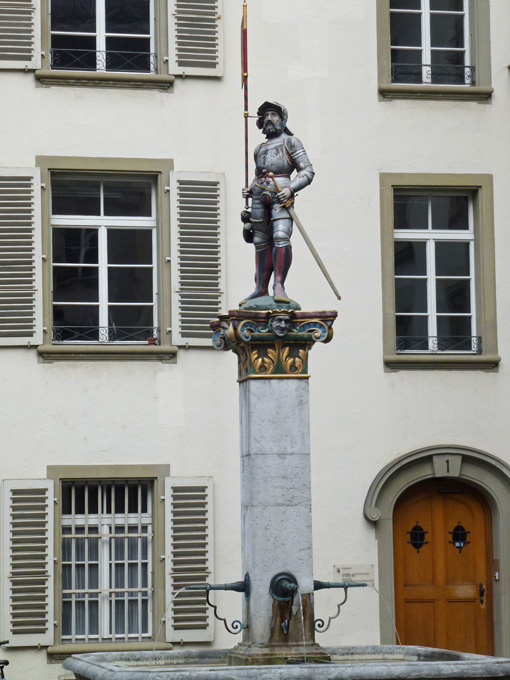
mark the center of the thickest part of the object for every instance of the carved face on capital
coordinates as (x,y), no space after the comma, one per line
(272,123)
(281,325)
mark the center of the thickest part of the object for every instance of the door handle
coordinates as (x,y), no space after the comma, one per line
(481,590)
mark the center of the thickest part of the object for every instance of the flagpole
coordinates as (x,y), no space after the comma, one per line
(244,64)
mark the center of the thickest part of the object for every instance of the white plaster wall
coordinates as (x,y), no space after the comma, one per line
(319,59)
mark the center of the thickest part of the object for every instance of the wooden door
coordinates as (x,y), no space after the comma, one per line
(443,568)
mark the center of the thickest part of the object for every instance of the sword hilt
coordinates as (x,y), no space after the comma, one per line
(288,203)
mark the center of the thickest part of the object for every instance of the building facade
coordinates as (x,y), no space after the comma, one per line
(121,168)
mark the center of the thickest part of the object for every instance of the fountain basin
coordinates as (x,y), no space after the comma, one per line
(371,662)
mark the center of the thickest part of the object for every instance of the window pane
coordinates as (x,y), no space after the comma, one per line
(410,212)
(120,498)
(75,197)
(139,316)
(127,16)
(405,29)
(73,52)
(127,199)
(93,617)
(406,66)
(75,284)
(450,212)
(129,54)
(129,246)
(130,284)
(73,16)
(454,332)
(66,499)
(75,246)
(447,5)
(415,326)
(452,259)
(93,499)
(453,295)
(410,258)
(411,295)
(75,322)
(133,498)
(447,30)
(448,68)
(405,4)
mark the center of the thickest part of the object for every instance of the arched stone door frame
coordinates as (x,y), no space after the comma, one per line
(478,469)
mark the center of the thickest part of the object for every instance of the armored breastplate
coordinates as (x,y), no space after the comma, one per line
(273,158)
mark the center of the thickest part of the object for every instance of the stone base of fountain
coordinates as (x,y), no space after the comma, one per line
(273,654)
(375,662)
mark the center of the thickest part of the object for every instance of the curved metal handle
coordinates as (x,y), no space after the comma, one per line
(481,590)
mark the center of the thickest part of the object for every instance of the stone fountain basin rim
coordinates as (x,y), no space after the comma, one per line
(358,662)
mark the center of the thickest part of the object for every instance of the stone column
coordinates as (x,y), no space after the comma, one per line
(272,348)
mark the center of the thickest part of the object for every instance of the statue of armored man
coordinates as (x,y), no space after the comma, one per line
(269,225)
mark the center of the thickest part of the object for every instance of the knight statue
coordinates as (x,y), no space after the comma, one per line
(269,225)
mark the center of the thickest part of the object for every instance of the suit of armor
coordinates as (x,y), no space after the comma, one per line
(281,155)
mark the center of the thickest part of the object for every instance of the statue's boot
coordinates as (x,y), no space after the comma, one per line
(282,258)
(263,271)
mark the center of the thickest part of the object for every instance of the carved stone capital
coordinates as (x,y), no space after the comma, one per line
(272,343)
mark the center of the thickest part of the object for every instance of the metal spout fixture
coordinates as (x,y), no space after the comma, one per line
(320,585)
(236,586)
(283,586)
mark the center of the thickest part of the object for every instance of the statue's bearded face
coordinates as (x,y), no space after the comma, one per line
(273,123)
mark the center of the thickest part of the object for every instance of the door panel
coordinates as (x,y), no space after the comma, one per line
(442,553)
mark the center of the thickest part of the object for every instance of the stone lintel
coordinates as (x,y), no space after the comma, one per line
(272,343)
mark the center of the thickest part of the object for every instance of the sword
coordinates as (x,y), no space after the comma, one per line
(308,242)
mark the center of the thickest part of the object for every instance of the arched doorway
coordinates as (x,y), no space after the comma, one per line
(442,542)
(483,473)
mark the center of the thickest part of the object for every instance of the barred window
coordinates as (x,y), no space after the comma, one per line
(106,561)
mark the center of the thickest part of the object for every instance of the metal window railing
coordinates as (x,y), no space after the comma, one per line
(471,344)
(95,60)
(433,74)
(107,334)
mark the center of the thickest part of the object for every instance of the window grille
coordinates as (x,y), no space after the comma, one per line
(106,561)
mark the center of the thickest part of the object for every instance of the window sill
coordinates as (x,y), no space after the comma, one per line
(111,352)
(151,81)
(441,361)
(62,651)
(445,92)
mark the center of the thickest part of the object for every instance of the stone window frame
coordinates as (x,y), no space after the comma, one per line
(481,188)
(158,80)
(158,168)
(479,18)
(156,473)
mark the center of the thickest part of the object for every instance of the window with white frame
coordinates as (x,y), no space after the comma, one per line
(106,561)
(434,272)
(104,278)
(430,42)
(103,35)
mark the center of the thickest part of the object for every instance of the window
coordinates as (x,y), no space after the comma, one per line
(109,547)
(434,273)
(434,48)
(103,35)
(122,258)
(106,561)
(438,270)
(113,43)
(104,274)
(429,42)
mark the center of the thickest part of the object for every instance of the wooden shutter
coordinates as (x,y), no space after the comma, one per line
(189,557)
(20,257)
(28,562)
(198,272)
(195,39)
(20,34)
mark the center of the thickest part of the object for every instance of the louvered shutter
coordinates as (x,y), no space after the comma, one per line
(20,257)
(189,557)
(28,562)
(20,34)
(195,39)
(198,272)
